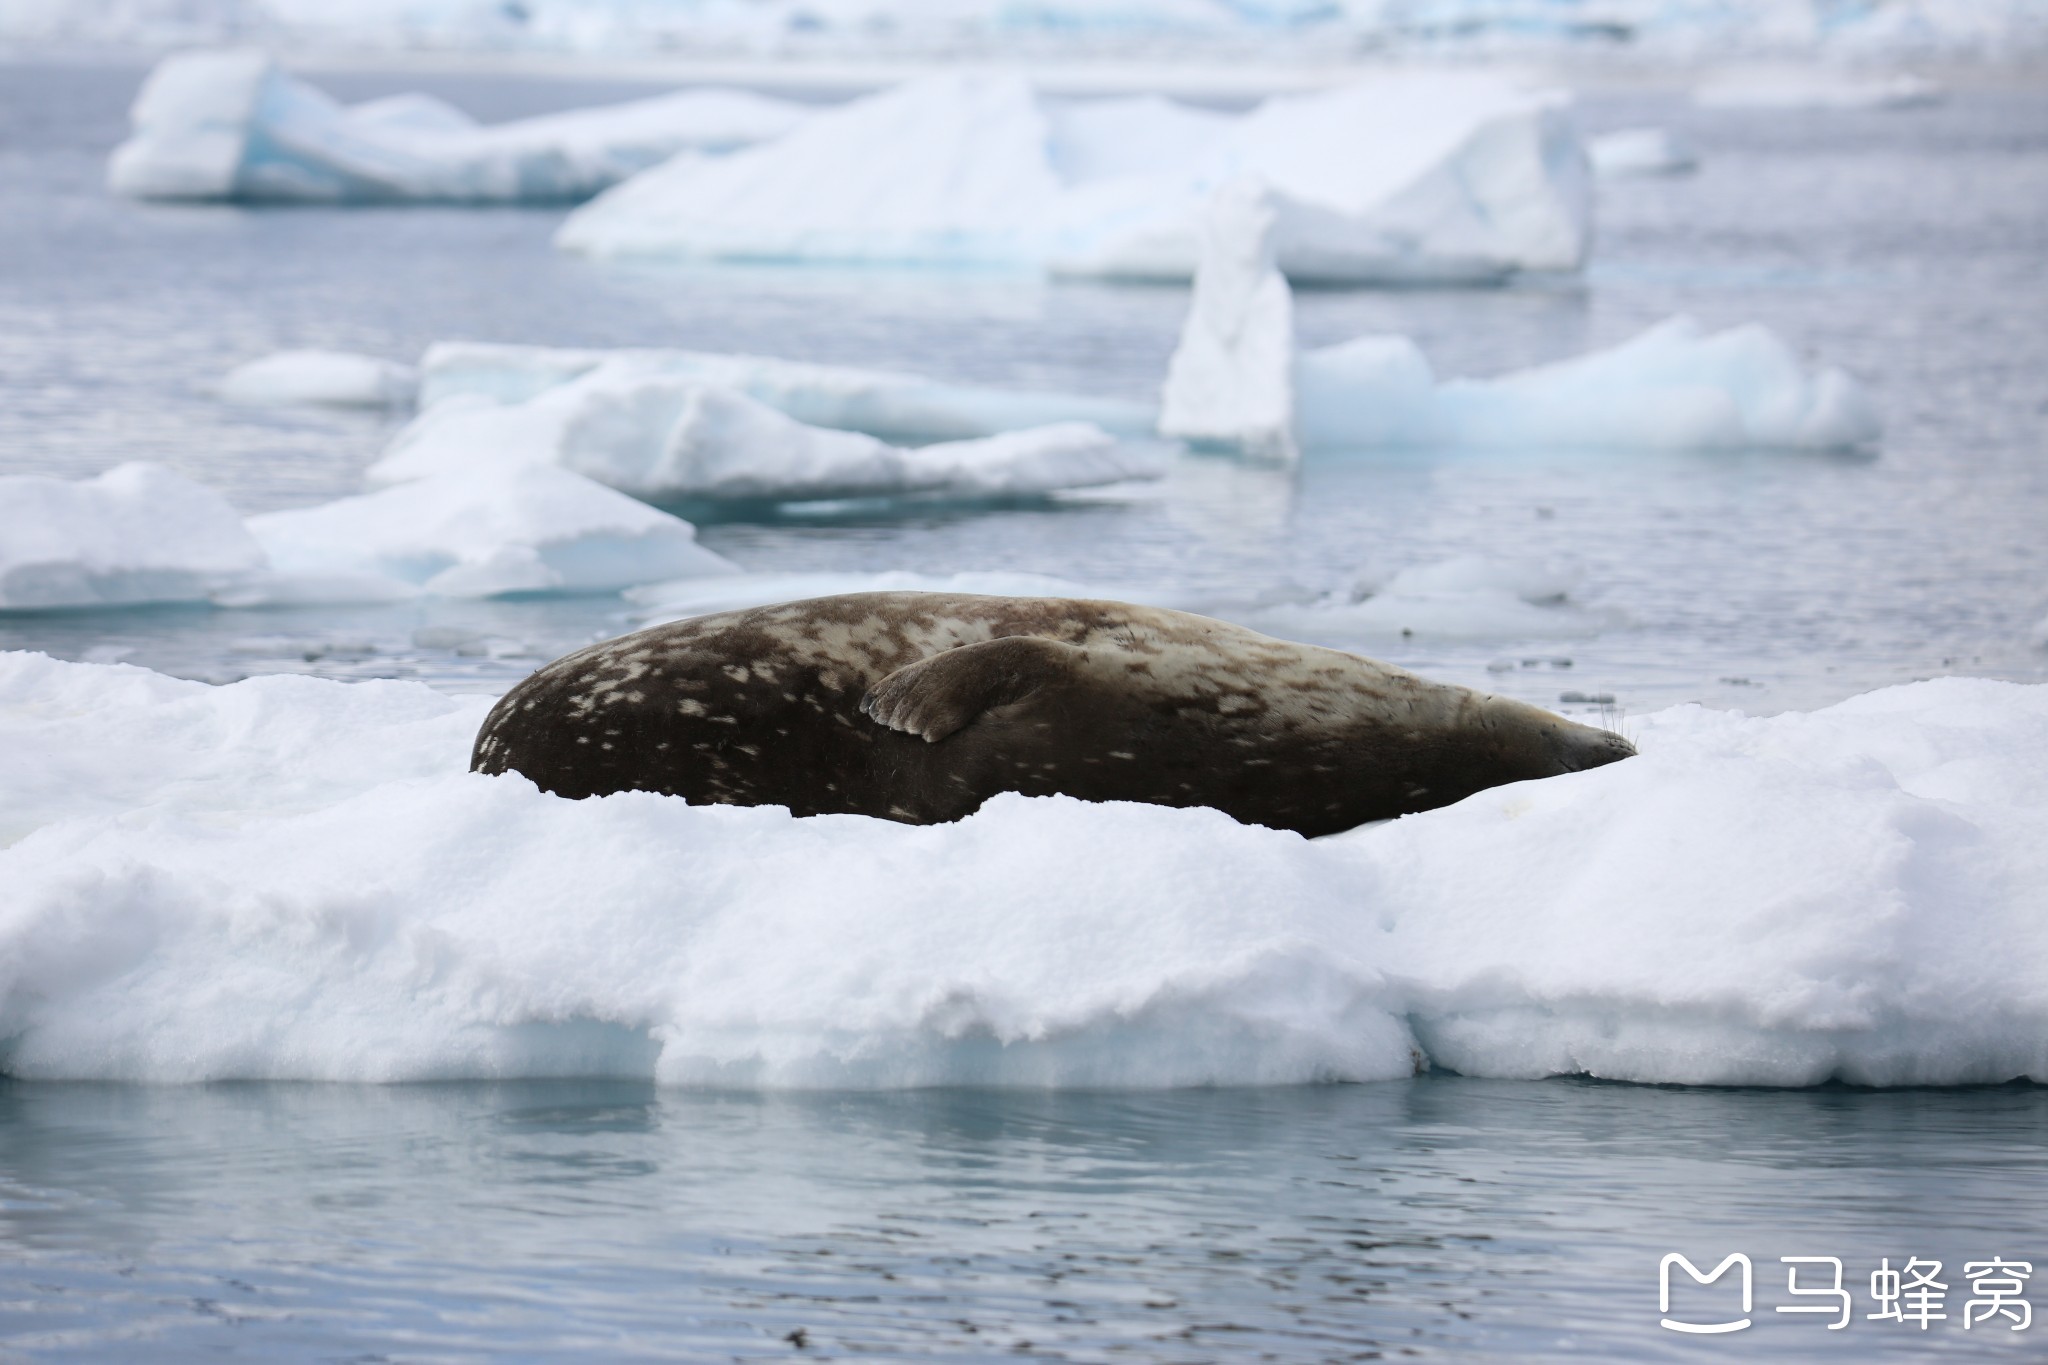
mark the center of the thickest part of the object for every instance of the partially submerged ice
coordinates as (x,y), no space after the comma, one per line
(1452,177)
(295,878)
(319,378)
(139,533)
(1628,152)
(662,426)
(231,124)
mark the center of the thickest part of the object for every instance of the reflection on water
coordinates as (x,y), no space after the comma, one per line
(1443,1216)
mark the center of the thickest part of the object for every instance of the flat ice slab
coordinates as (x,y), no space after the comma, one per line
(1674,387)
(137,533)
(1813,87)
(338,379)
(230,124)
(671,426)
(1450,177)
(1629,152)
(289,877)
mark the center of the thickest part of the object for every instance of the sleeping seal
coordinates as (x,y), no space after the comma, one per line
(920,706)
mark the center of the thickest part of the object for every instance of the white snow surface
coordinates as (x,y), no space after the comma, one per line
(1674,387)
(292,877)
(337,379)
(231,124)
(527,529)
(1628,152)
(1458,177)
(1230,381)
(137,533)
(635,423)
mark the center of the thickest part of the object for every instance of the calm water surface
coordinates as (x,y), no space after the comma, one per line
(1445,1218)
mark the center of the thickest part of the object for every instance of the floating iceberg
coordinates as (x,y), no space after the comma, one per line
(636,427)
(321,378)
(1813,88)
(1452,177)
(1465,598)
(526,529)
(1640,151)
(137,533)
(1230,380)
(232,125)
(1675,387)
(896,407)
(289,877)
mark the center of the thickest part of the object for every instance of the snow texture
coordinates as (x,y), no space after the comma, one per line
(1630,152)
(323,379)
(632,424)
(231,124)
(1674,387)
(290,877)
(1455,177)
(137,533)
(1230,381)
(527,529)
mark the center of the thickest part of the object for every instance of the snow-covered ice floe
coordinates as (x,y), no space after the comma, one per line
(1456,177)
(1813,87)
(232,125)
(291,877)
(1630,152)
(338,379)
(1674,387)
(678,426)
(529,529)
(137,533)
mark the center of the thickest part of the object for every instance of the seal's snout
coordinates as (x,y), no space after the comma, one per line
(1591,748)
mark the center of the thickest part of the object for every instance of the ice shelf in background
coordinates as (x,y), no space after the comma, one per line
(323,379)
(526,529)
(1154,32)
(137,533)
(1674,387)
(1630,152)
(231,124)
(894,406)
(1452,177)
(636,424)
(289,877)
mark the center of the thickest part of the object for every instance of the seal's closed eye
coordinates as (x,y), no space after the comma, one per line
(943,693)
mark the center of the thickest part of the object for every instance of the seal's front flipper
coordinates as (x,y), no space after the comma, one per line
(943,692)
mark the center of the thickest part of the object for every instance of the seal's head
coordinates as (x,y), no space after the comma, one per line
(1531,742)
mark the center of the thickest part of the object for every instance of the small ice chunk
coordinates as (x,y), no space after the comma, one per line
(321,378)
(1640,151)
(1813,87)
(1468,597)
(1230,380)
(704,596)
(526,529)
(137,533)
(232,125)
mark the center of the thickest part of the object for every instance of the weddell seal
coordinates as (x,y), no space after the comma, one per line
(920,706)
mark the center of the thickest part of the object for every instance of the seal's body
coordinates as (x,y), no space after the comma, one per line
(920,706)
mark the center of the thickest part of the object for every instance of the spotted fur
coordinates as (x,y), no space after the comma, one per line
(920,706)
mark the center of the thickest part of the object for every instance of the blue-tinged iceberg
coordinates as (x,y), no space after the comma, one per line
(1449,177)
(232,124)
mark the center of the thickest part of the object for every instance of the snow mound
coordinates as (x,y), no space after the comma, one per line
(1813,88)
(290,877)
(528,529)
(885,403)
(1452,177)
(1674,387)
(321,378)
(137,533)
(1640,151)
(656,434)
(1230,380)
(232,125)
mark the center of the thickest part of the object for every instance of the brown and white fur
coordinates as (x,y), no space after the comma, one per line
(920,706)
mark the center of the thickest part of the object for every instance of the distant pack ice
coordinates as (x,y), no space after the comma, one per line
(1446,177)
(232,125)
(678,425)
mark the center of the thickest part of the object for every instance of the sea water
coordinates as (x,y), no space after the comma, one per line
(1442,1216)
